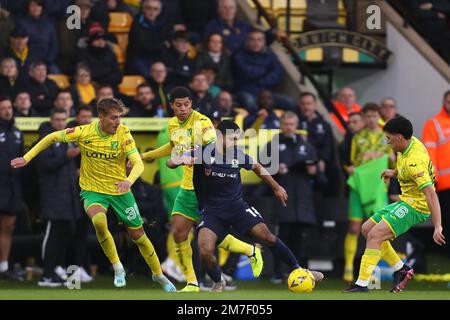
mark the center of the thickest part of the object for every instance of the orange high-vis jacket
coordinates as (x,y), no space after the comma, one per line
(342,110)
(436,138)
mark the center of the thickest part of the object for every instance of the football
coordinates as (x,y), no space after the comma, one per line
(301,280)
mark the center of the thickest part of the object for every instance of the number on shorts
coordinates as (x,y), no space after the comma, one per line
(254,212)
(401,212)
(131,213)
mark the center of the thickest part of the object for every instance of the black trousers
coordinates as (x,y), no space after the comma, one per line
(292,234)
(444,201)
(56,240)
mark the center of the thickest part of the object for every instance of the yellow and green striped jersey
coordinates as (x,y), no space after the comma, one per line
(415,172)
(196,130)
(366,142)
(103,157)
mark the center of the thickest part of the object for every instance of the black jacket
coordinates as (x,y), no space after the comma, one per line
(321,137)
(58,190)
(296,153)
(147,39)
(180,69)
(103,65)
(11,146)
(203,105)
(42,95)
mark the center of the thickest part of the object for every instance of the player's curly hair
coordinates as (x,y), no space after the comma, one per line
(105,106)
(399,125)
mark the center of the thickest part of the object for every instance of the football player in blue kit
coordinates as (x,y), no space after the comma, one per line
(218,187)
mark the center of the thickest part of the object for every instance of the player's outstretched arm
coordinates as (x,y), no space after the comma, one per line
(435,208)
(39,147)
(160,152)
(137,167)
(278,190)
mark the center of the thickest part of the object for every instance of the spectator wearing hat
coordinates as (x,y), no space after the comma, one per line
(148,36)
(43,40)
(216,55)
(68,39)
(20,51)
(98,55)
(180,67)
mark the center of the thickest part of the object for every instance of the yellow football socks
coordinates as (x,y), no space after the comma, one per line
(104,237)
(232,244)
(369,261)
(389,255)
(223,256)
(350,247)
(184,253)
(149,254)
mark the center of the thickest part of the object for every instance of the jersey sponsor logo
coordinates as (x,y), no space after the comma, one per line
(70,130)
(114,145)
(100,155)
(234,163)
(401,212)
(224,175)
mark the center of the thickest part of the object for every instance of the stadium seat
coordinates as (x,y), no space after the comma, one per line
(129,84)
(62,80)
(119,55)
(119,22)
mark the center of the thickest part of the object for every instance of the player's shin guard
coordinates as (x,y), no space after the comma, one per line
(369,261)
(350,247)
(184,252)
(282,252)
(149,254)
(389,255)
(104,237)
(235,245)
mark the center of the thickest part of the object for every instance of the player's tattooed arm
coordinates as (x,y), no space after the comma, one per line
(433,205)
(278,190)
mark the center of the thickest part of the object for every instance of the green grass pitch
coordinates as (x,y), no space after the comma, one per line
(142,288)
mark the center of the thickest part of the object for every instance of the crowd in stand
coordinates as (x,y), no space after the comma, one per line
(231,71)
(433,17)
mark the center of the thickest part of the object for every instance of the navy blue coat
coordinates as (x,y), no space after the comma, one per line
(253,71)
(59,195)
(11,146)
(43,40)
